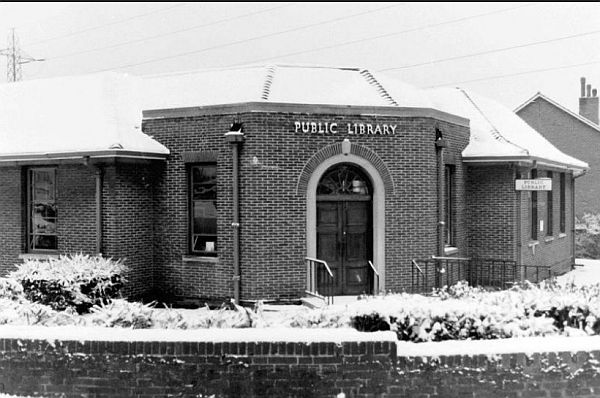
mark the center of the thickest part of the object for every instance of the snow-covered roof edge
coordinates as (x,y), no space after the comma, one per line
(96,116)
(535,149)
(559,106)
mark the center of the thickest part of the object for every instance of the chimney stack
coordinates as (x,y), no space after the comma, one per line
(588,103)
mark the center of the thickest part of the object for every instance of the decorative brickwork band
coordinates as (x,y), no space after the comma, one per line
(199,156)
(336,149)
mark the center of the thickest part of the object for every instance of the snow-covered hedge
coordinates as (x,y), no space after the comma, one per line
(587,236)
(456,313)
(462,312)
(77,281)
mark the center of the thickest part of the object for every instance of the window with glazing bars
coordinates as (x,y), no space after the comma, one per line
(562,203)
(203,209)
(42,211)
(449,205)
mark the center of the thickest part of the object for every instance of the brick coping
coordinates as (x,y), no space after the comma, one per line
(78,333)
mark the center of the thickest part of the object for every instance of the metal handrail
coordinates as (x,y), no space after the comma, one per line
(373,268)
(451,258)
(311,268)
(418,268)
(376,279)
(316,260)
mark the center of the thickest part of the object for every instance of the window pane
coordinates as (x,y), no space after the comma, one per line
(204,182)
(205,217)
(43,185)
(44,242)
(534,209)
(42,210)
(203,211)
(343,180)
(206,244)
(449,205)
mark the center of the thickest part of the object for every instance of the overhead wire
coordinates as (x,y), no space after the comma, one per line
(229,44)
(120,21)
(148,38)
(386,35)
(486,52)
(516,74)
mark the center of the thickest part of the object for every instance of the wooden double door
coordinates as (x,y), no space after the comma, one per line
(345,242)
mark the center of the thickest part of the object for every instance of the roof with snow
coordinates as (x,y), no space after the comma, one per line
(97,115)
(498,134)
(574,115)
(100,114)
(287,84)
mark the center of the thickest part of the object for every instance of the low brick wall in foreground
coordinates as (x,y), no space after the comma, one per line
(196,368)
(204,364)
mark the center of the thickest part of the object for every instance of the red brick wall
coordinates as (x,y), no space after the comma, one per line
(574,138)
(548,374)
(273,213)
(556,250)
(128,223)
(76,202)
(276,369)
(198,278)
(127,209)
(12,236)
(76,212)
(492,217)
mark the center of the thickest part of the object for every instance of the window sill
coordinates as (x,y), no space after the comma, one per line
(533,243)
(562,235)
(37,256)
(450,250)
(548,239)
(199,259)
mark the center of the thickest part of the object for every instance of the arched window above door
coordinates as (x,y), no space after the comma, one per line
(344,179)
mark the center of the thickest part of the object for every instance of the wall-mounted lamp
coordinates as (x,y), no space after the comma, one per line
(440,141)
(235,133)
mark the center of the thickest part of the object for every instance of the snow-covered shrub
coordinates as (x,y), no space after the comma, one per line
(11,289)
(122,314)
(77,281)
(135,315)
(23,312)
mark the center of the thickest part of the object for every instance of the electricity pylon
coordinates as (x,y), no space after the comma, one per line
(15,58)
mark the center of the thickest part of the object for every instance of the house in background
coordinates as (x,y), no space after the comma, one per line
(575,134)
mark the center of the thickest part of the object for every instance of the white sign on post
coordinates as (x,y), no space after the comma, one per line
(539,184)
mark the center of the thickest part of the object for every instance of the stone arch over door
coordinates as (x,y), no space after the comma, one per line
(380,190)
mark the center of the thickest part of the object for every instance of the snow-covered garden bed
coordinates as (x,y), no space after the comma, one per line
(567,307)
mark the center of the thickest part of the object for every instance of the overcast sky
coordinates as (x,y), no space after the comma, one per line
(506,51)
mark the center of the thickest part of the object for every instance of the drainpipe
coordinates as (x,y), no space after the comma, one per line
(440,144)
(235,137)
(99,182)
(572,221)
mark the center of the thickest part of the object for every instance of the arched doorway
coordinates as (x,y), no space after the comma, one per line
(345,227)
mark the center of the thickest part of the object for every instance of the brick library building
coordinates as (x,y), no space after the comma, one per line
(271,183)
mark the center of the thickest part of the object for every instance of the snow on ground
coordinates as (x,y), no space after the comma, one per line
(79,333)
(528,345)
(13,396)
(586,272)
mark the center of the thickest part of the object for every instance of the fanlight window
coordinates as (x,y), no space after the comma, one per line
(344,180)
